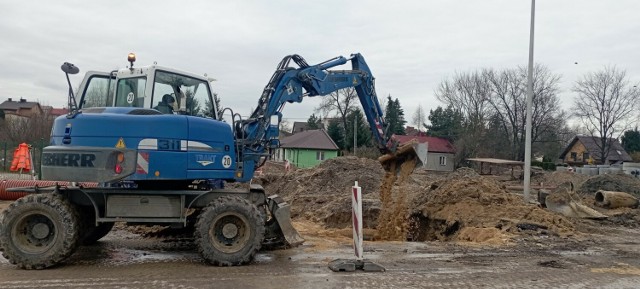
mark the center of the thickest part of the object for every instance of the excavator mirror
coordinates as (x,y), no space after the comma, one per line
(69,68)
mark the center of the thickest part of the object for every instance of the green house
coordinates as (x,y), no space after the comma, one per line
(307,149)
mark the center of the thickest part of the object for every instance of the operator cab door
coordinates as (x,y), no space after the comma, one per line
(97,90)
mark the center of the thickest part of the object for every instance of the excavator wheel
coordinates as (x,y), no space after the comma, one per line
(39,231)
(229,231)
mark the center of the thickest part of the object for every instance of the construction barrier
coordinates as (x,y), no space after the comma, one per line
(21,159)
(356,205)
(6,184)
(347,265)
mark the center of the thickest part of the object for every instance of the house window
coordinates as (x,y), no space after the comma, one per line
(574,156)
(443,161)
(585,157)
(320,155)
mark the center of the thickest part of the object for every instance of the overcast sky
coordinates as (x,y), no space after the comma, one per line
(410,46)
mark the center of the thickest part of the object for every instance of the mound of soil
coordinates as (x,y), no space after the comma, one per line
(468,207)
(611,182)
(323,193)
(557,177)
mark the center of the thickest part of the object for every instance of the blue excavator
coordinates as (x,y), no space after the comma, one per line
(148,145)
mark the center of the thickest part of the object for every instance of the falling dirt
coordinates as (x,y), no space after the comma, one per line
(392,222)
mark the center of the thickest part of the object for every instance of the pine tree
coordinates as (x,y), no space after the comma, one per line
(336,133)
(446,123)
(394,116)
(314,122)
(363,134)
(401,121)
(631,140)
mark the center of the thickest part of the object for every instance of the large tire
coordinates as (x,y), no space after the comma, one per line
(90,233)
(39,231)
(229,231)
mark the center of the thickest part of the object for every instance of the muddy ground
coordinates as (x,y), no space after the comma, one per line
(466,230)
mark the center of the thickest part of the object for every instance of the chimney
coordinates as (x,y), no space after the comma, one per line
(23,100)
(9,99)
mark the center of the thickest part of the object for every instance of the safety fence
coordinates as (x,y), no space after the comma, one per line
(7,150)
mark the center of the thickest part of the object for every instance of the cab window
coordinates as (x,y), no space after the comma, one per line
(97,92)
(190,96)
(130,92)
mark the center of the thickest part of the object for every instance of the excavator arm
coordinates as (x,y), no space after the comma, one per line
(288,84)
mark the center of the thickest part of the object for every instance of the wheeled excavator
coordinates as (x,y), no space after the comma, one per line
(169,167)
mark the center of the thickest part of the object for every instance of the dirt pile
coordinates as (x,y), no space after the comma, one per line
(468,207)
(611,182)
(556,178)
(323,193)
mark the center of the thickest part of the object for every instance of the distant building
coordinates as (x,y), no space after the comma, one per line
(307,148)
(300,126)
(440,155)
(20,108)
(584,150)
(53,112)
(412,131)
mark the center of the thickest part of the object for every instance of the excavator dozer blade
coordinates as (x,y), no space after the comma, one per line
(412,150)
(281,212)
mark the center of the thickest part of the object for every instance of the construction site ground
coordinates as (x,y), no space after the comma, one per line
(462,230)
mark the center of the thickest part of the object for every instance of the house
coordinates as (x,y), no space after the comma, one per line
(53,112)
(412,131)
(586,150)
(307,149)
(440,155)
(300,126)
(20,109)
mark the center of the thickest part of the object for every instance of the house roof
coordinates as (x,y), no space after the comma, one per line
(300,126)
(616,151)
(436,144)
(310,139)
(10,104)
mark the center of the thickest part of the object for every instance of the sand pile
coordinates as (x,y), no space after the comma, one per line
(323,193)
(556,178)
(611,182)
(468,207)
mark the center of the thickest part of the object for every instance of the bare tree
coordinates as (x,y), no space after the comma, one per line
(26,129)
(342,102)
(419,117)
(468,93)
(605,103)
(508,100)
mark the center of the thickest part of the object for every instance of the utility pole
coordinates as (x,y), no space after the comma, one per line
(527,147)
(355,133)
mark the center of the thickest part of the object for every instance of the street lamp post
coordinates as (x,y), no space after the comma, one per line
(527,147)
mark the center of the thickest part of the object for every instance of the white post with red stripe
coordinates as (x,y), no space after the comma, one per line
(346,265)
(356,217)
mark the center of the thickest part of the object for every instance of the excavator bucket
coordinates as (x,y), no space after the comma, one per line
(410,151)
(281,212)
